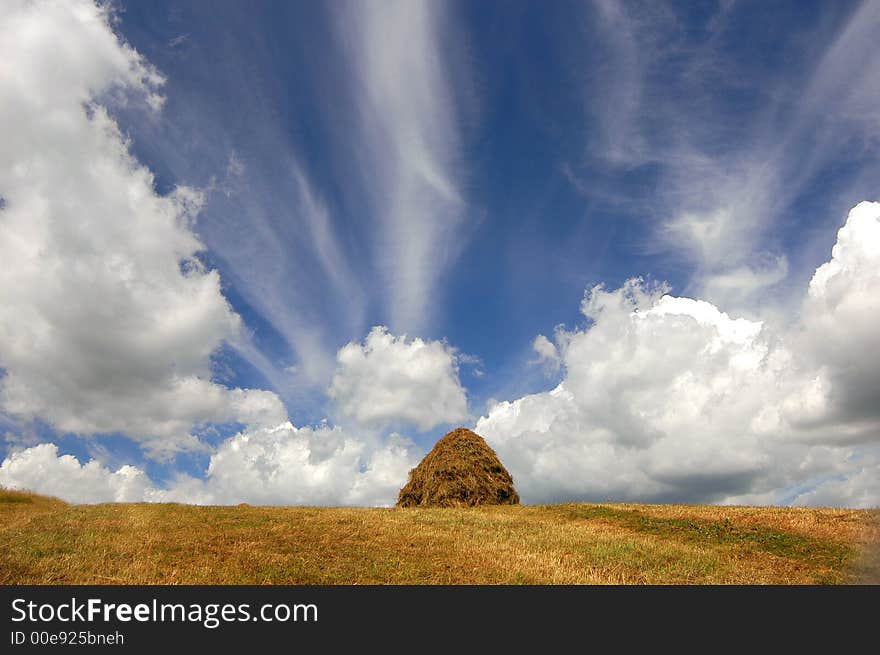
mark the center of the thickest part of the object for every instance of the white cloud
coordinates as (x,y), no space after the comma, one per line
(283,255)
(389,378)
(745,280)
(667,398)
(42,470)
(662,399)
(655,402)
(728,178)
(856,487)
(108,320)
(616,99)
(548,355)
(839,316)
(282,465)
(307,466)
(751,187)
(400,52)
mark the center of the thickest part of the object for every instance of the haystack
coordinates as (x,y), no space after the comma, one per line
(460,471)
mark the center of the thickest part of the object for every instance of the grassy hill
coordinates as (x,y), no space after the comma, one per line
(46,541)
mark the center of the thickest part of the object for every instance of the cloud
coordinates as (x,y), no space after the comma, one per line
(282,465)
(390,379)
(548,355)
(306,466)
(280,251)
(857,485)
(716,186)
(839,317)
(747,279)
(627,42)
(654,402)
(669,399)
(108,320)
(729,178)
(276,211)
(42,470)
(410,139)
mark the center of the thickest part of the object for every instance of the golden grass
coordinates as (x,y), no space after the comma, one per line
(45,541)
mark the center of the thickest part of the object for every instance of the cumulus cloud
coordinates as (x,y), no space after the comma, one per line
(281,465)
(108,319)
(653,403)
(390,379)
(43,470)
(307,466)
(667,398)
(840,313)
(663,399)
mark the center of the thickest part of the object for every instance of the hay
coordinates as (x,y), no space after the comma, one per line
(460,471)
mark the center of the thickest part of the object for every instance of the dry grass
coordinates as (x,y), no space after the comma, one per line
(44,541)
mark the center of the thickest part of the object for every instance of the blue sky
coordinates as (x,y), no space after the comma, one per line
(558,189)
(463,173)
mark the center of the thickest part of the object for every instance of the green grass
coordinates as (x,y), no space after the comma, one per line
(45,541)
(10,498)
(777,542)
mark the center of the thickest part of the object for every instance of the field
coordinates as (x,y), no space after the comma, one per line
(46,541)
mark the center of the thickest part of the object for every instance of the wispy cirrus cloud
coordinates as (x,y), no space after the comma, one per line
(409,146)
(281,252)
(319,246)
(271,223)
(733,147)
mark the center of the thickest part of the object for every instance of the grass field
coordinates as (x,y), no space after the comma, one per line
(46,541)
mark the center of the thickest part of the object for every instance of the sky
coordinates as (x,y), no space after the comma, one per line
(270,252)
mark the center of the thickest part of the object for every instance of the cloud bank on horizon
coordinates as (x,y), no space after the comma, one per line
(160,333)
(665,396)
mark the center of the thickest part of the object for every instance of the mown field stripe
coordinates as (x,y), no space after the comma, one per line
(770,540)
